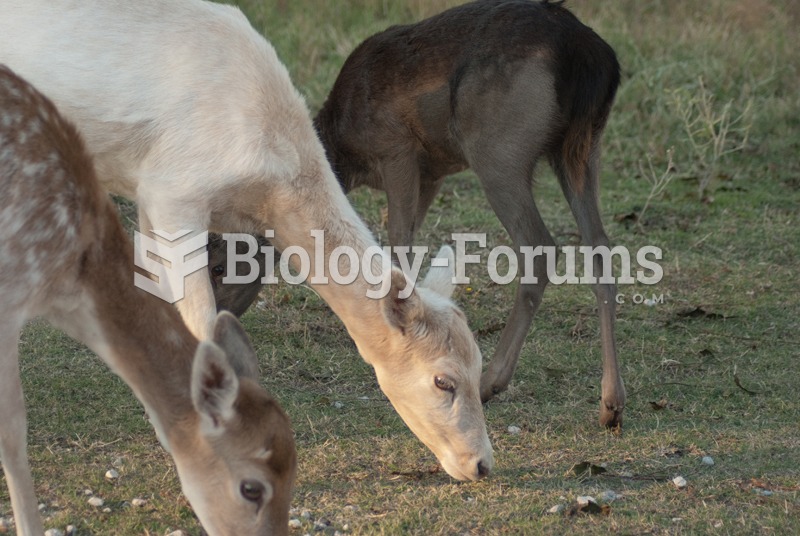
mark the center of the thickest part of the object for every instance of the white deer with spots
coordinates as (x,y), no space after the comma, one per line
(65,256)
(190,113)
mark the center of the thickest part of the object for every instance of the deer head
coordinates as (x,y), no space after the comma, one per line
(430,369)
(238,469)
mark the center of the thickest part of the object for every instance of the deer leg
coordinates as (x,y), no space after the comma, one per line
(13,443)
(427,193)
(503,128)
(508,191)
(582,196)
(197,307)
(402,185)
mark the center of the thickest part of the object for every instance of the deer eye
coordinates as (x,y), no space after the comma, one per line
(252,490)
(444,383)
(218,270)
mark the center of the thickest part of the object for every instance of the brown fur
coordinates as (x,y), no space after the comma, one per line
(70,260)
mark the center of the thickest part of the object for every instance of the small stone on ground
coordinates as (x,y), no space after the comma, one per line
(557,509)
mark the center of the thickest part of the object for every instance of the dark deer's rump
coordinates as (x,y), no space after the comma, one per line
(412,84)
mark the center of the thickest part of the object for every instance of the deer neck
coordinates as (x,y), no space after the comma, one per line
(157,364)
(357,303)
(140,337)
(328,226)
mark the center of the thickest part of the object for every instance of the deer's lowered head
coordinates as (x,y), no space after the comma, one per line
(238,467)
(429,367)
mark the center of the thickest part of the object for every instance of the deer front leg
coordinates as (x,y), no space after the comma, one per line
(401,181)
(13,443)
(197,307)
(427,193)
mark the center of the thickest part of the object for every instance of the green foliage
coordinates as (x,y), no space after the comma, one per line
(712,131)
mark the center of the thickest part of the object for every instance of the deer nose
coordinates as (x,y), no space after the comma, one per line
(482,469)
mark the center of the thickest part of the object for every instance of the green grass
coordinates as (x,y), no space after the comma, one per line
(728,379)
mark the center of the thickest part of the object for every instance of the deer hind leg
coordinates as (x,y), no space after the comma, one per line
(504,130)
(509,194)
(581,191)
(13,431)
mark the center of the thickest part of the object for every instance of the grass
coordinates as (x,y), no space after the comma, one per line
(711,371)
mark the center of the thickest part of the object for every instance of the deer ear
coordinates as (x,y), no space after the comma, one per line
(401,313)
(232,339)
(215,386)
(440,276)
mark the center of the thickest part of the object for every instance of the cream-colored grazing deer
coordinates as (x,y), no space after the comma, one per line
(65,256)
(189,112)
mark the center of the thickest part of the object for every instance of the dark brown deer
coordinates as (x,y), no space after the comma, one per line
(493,85)
(235,298)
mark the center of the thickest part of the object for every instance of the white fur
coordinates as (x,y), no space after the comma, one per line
(189,112)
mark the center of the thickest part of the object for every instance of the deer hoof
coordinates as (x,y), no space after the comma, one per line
(489,391)
(611,417)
